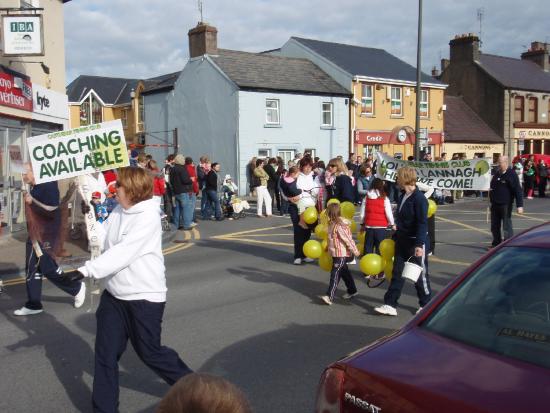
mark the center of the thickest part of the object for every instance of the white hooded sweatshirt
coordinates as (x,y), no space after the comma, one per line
(131,266)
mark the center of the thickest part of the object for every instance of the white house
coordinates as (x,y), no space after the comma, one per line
(233,106)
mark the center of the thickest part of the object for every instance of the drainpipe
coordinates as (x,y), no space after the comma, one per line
(353,113)
(511,95)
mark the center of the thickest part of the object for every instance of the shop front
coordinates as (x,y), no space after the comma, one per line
(532,140)
(398,142)
(26,109)
(473,150)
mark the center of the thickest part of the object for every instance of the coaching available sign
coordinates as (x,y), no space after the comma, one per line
(79,151)
(472,174)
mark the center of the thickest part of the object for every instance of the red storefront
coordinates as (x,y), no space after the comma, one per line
(398,142)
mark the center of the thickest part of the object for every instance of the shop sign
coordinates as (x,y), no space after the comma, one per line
(15,92)
(22,35)
(522,133)
(48,102)
(372,138)
(521,144)
(401,138)
(79,151)
(472,174)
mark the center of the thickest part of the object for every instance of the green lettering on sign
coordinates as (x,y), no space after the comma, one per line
(21,27)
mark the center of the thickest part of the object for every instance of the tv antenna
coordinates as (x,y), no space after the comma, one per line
(480,16)
(200,9)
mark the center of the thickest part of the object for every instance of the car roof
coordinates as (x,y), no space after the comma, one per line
(538,237)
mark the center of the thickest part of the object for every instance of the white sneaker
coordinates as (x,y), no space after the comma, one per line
(325,299)
(298,261)
(419,310)
(353,262)
(386,310)
(26,311)
(81,296)
(193,225)
(309,260)
(347,296)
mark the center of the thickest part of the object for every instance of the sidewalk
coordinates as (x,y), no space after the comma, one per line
(12,256)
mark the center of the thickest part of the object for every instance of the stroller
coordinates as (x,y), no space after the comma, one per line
(233,208)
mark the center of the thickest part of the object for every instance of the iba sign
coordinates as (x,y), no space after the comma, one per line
(22,35)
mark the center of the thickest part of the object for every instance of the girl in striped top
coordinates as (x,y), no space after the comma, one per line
(341,247)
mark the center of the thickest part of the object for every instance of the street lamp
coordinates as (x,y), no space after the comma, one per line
(418,84)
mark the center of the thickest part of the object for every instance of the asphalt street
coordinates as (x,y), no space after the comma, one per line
(236,307)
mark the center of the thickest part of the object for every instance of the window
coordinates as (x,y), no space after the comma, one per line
(141,109)
(367,101)
(533,109)
(518,109)
(264,153)
(85,113)
(96,110)
(424,103)
(312,152)
(286,155)
(272,112)
(124,118)
(396,103)
(327,114)
(503,307)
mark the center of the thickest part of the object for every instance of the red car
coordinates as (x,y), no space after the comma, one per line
(481,345)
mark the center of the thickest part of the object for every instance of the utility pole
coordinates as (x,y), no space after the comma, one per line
(418,84)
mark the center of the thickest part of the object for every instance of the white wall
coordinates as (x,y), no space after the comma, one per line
(300,126)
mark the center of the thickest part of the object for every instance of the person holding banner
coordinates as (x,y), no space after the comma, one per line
(42,247)
(411,241)
(131,268)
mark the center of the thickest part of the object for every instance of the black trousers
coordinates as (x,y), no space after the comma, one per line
(45,266)
(301,235)
(137,320)
(404,249)
(501,216)
(542,186)
(340,270)
(373,238)
(431,234)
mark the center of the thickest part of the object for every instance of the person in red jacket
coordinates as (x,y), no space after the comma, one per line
(159,186)
(376,216)
(192,169)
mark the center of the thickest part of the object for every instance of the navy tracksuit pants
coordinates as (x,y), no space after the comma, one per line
(340,270)
(137,320)
(301,235)
(373,238)
(45,266)
(404,249)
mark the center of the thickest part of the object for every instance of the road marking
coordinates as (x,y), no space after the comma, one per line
(232,234)
(253,241)
(483,231)
(529,217)
(178,248)
(270,235)
(442,261)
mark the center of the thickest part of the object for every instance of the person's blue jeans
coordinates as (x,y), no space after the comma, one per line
(215,202)
(206,210)
(183,210)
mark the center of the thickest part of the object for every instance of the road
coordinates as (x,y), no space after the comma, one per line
(236,308)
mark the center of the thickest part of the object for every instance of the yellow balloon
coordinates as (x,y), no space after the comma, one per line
(432,207)
(310,215)
(352,226)
(347,209)
(387,249)
(333,201)
(361,247)
(371,264)
(361,237)
(325,261)
(312,249)
(323,219)
(321,231)
(324,244)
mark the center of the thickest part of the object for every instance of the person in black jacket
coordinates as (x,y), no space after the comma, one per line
(271,170)
(342,186)
(505,187)
(411,240)
(182,186)
(212,190)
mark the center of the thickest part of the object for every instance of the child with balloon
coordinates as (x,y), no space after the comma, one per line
(341,248)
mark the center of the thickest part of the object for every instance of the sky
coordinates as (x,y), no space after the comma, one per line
(142,39)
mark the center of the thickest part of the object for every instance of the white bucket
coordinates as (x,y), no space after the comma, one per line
(411,271)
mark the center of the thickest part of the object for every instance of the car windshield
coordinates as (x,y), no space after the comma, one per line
(503,307)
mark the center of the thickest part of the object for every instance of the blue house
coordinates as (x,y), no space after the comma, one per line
(233,106)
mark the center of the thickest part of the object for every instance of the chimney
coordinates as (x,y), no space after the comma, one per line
(203,39)
(435,72)
(538,53)
(444,64)
(464,48)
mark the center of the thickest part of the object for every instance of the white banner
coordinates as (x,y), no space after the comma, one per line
(80,151)
(467,174)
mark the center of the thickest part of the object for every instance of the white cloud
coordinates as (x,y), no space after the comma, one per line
(138,38)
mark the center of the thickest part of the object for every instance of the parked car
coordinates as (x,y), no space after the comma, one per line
(481,345)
